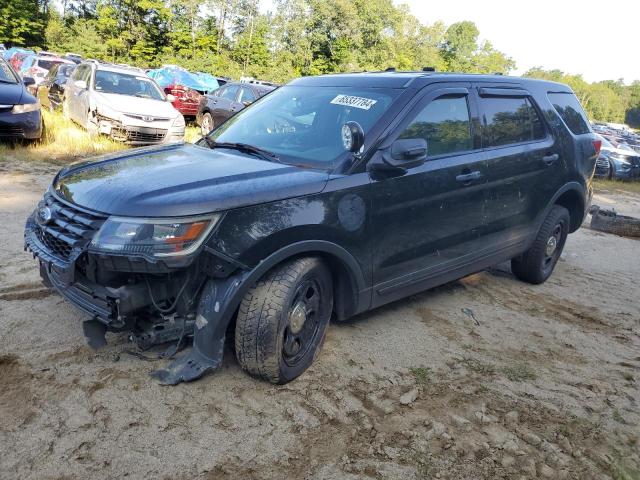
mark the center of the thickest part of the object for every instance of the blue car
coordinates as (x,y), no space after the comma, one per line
(617,161)
(20,116)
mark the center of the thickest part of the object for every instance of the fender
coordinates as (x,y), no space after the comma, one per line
(576,187)
(220,299)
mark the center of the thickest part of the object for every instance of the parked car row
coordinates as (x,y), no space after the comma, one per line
(130,104)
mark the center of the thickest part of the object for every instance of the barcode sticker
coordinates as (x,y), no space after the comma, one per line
(356,102)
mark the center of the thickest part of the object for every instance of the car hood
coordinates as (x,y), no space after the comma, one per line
(621,151)
(11,93)
(180,180)
(135,105)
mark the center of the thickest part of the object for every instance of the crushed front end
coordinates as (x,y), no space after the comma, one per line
(124,287)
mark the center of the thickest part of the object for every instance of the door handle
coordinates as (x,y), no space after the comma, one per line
(549,159)
(469,177)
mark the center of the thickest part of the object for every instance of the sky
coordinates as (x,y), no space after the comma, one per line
(600,40)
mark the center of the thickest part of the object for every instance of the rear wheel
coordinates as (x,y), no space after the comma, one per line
(283,319)
(536,264)
(206,124)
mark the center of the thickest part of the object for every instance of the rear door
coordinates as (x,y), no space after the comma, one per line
(525,168)
(427,220)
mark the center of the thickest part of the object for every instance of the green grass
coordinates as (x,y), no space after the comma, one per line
(65,142)
(600,184)
(476,366)
(519,373)
(420,374)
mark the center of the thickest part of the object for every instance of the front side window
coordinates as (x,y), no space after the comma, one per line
(509,120)
(303,124)
(124,84)
(229,93)
(246,95)
(444,124)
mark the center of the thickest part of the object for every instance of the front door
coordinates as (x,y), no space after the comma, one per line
(427,220)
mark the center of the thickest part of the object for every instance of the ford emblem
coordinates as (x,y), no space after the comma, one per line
(44,215)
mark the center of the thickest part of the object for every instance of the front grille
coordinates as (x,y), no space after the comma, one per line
(138,134)
(68,228)
(11,131)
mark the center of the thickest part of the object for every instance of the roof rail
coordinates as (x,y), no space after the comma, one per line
(428,69)
(390,69)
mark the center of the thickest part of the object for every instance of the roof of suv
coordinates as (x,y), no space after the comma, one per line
(399,79)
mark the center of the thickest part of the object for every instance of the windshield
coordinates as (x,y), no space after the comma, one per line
(123,84)
(302,125)
(48,63)
(6,74)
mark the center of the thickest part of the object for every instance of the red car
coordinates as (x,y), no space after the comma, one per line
(17,59)
(183,85)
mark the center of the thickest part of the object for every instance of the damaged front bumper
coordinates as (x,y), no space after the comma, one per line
(140,132)
(157,303)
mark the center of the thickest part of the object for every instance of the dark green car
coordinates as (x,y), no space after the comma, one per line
(328,197)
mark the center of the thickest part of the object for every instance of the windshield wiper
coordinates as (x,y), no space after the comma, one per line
(244,148)
(7,81)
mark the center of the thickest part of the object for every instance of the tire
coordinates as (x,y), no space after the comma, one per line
(282,321)
(536,264)
(610,222)
(92,128)
(206,124)
(611,174)
(65,109)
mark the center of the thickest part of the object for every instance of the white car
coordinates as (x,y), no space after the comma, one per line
(123,103)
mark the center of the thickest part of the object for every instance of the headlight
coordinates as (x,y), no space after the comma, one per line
(26,107)
(179,121)
(153,237)
(108,112)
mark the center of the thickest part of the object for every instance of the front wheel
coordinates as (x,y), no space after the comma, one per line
(283,319)
(206,124)
(536,264)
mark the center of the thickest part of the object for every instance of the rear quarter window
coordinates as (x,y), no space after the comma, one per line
(571,112)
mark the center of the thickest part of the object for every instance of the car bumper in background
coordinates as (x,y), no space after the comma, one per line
(21,125)
(136,134)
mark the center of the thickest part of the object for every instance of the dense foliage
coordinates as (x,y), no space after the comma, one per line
(298,37)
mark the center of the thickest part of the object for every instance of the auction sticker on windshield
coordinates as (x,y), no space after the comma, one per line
(356,102)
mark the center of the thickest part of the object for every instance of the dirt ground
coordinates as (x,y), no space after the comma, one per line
(544,383)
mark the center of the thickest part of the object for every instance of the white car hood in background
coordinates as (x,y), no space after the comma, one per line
(135,105)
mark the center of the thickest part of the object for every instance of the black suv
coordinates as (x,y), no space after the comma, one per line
(328,197)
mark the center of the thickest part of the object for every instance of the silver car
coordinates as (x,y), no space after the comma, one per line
(123,103)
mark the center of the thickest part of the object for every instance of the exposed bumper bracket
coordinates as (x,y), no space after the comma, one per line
(217,305)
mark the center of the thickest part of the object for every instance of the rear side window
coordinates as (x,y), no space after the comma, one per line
(509,120)
(230,93)
(569,109)
(444,124)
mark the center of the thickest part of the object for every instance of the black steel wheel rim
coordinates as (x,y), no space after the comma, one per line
(303,327)
(553,247)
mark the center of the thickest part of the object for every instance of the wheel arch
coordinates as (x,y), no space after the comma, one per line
(349,284)
(572,197)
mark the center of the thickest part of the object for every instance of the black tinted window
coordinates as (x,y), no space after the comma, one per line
(444,124)
(568,107)
(509,120)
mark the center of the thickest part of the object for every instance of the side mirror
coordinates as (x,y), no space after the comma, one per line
(406,153)
(171,98)
(81,84)
(352,137)
(28,81)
